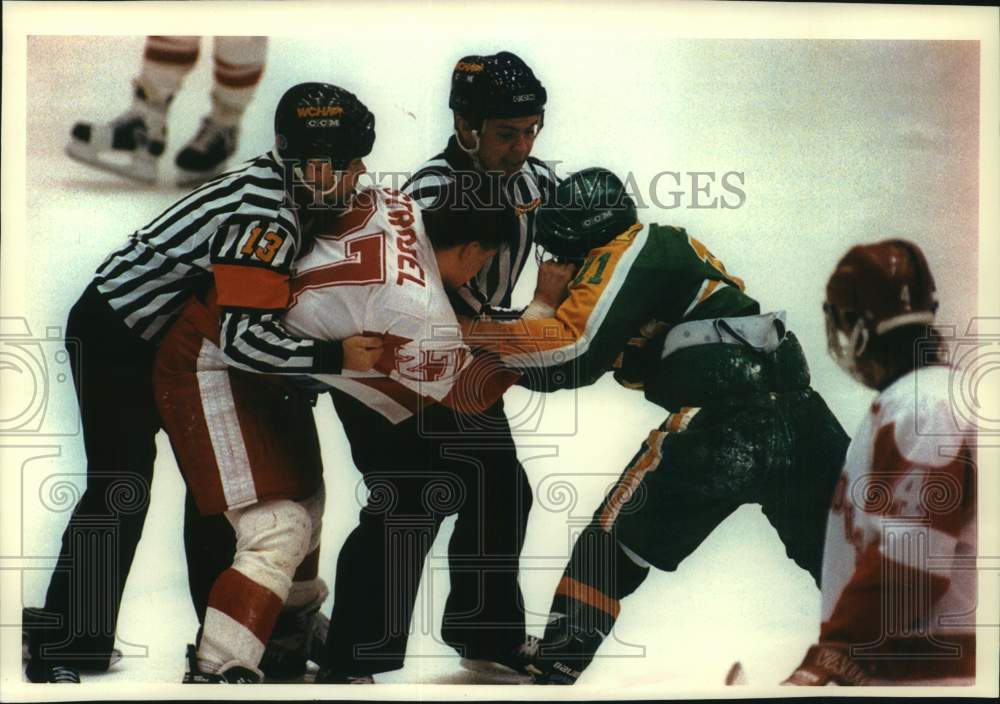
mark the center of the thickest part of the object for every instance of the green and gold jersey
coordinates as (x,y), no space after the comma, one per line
(643,282)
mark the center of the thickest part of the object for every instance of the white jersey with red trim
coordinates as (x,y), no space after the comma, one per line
(374,272)
(899,560)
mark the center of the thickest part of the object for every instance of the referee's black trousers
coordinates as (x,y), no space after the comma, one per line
(417,473)
(112,371)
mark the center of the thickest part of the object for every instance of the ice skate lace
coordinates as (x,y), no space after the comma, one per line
(64,675)
(129,116)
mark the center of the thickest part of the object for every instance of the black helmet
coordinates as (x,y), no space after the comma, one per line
(319,120)
(587,210)
(501,85)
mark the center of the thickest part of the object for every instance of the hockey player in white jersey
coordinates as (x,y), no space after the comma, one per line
(247,444)
(377,273)
(899,579)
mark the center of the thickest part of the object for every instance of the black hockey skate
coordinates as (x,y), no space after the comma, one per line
(564,654)
(205,156)
(297,640)
(34,622)
(39,671)
(130,145)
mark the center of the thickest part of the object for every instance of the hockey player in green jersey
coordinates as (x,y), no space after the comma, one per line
(743,425)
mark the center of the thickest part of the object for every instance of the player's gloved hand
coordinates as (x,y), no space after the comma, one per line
(553,278)
(640,355)
(827,664)
(361,352)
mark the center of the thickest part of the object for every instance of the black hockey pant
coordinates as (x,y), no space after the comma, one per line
(782,451)
(417,473)
(112,372)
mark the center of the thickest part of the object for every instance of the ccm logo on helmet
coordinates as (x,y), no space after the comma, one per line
(325,111)
(471,68)
(323,123)
(600,217)
(524,97)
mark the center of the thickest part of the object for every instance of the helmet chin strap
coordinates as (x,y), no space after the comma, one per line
(473,151)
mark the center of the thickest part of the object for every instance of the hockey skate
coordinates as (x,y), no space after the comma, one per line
(298,638)
(33,619)
(509,667)
(130,145)
(569,653)
(205,156)
(51,674)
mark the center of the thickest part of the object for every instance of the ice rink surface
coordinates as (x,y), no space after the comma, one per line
(837,142)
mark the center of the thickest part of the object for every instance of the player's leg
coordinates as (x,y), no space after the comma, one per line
(247,447)
(381,562)
(272,538)
(132,143)
(484,613)
(670,497)
(601,572)
(378,573)
(797,500)
(300,632)
(238,66)
(112,370)
(209,547)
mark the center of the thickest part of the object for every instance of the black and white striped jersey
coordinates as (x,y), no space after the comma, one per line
(240,233)
(448,179)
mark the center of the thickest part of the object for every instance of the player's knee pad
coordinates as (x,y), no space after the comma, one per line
(271,539)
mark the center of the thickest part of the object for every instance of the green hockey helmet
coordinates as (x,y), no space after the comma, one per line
(587,210)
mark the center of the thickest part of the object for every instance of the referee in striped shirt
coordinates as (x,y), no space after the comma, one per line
(486,168)
(241,232)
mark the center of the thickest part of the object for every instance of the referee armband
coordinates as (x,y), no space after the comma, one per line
(251,262)
(241,286)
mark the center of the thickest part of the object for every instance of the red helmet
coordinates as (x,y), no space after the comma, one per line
(874,289)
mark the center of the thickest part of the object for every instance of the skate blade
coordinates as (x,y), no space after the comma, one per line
(502,674)
(135,169)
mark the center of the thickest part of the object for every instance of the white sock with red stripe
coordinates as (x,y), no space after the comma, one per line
(239,64)
(238,622)
(166,60)
(271,540)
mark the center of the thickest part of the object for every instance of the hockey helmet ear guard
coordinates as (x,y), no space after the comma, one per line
(587,210)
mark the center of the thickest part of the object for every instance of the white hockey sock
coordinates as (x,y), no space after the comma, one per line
(239,64)
(166,60)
